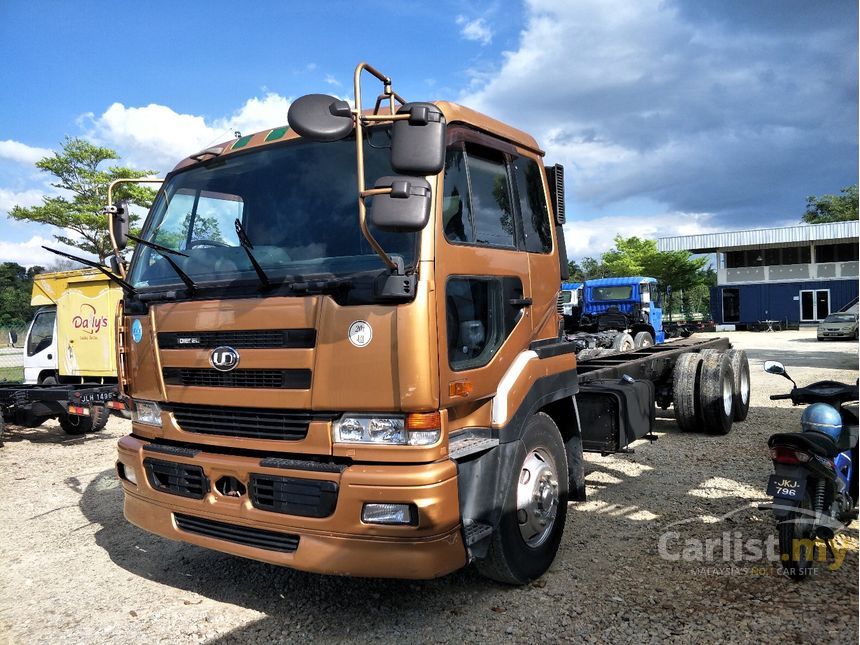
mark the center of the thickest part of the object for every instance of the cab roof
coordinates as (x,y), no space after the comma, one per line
(454,113)
(618,282)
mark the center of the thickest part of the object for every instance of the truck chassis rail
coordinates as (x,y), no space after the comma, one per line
(650,363)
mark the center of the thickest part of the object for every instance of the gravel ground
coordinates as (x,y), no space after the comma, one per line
(74,571)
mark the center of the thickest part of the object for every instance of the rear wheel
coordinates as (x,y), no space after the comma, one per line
(741,385)
(685,391)
(643,339)
(74,424)
(623,343)
(529,532)
(796,541)
(99,415)
(715,393)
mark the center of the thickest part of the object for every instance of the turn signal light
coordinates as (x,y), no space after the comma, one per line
(460,388)
(423,421)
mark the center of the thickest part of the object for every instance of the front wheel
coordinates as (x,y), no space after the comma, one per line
(796,541)
(529,532)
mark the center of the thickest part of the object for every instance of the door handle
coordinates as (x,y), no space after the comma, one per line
(521,302)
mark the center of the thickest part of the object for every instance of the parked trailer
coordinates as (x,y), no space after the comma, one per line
(79,408)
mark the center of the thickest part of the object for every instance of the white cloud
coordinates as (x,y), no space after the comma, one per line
(21,152)
(694,111)
(331,80)
(31,253)
(593,237)
(477,29)
(25,199)
(157,137)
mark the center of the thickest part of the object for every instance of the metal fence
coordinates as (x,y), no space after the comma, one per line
(12,354)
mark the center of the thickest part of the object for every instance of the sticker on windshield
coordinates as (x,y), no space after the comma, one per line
(360,333)
(136,331)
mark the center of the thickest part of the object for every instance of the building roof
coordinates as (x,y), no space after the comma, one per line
(803,233)
(617,282)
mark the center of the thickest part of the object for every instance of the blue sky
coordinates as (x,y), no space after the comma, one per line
(670,116)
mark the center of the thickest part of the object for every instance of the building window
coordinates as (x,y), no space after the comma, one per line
(836,253)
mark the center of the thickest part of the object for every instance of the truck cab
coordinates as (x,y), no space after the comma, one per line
(623,304)
(40,347)
(341,347)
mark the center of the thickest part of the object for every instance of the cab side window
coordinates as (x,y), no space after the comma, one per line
(41,333)
(477,202)
(537,237)
(475,321)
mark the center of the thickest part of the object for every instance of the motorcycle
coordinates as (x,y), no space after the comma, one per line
(814,485)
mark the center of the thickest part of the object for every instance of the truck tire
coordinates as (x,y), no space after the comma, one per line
(48,381)
(524,544)
(715,393)
(685,391)
(643,339)
(623,343)
(99,415)
(741,389)
(75,425)
(2,427)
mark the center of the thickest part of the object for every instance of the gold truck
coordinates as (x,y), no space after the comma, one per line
(341,347)
(69,353)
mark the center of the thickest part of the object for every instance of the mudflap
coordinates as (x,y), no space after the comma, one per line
(615,413)
(482,488)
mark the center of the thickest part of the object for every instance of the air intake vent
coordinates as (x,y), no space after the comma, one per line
(293,495)
(251,423)
(253,339)
(176,478)
(555,178)
(244,535)
(297,379)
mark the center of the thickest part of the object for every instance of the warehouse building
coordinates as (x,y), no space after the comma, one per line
(788,275)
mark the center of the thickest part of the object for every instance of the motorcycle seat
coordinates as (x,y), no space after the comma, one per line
(814,442)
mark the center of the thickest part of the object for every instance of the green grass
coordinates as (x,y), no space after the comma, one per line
(11,373)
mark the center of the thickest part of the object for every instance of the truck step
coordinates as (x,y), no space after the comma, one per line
(474,532)
(465,445)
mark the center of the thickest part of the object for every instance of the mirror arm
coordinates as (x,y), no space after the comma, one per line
(359,156)
(110,211)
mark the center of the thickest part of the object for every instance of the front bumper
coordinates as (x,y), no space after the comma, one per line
(339,544)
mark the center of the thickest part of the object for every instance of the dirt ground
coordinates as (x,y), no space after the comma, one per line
(629,570)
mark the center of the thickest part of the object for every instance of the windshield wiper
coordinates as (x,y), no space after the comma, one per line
(112,276)
(245,243)
(164,252)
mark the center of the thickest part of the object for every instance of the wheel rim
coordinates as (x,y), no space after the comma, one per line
(537,497)
(745,386)
(727,396)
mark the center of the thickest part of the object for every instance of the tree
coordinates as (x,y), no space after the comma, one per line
(832,208)
(16,284)
(586,269)
(76,169)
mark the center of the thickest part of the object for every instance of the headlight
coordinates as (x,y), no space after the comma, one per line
(411,430)
(146,412)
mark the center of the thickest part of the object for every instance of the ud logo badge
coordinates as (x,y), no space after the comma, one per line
(224,359)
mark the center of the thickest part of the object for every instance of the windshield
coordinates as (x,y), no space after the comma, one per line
(840,318)
(611,293)
(297,203)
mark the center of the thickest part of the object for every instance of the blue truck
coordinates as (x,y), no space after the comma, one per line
(609,315)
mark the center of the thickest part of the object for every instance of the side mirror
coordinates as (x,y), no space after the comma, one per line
(13,337)
(320,117)
(406,209)
(774,367)
(119,222)
(418,143)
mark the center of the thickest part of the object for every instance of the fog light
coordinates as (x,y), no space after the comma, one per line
(389,514)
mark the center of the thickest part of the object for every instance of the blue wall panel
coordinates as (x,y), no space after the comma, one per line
(776,301)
